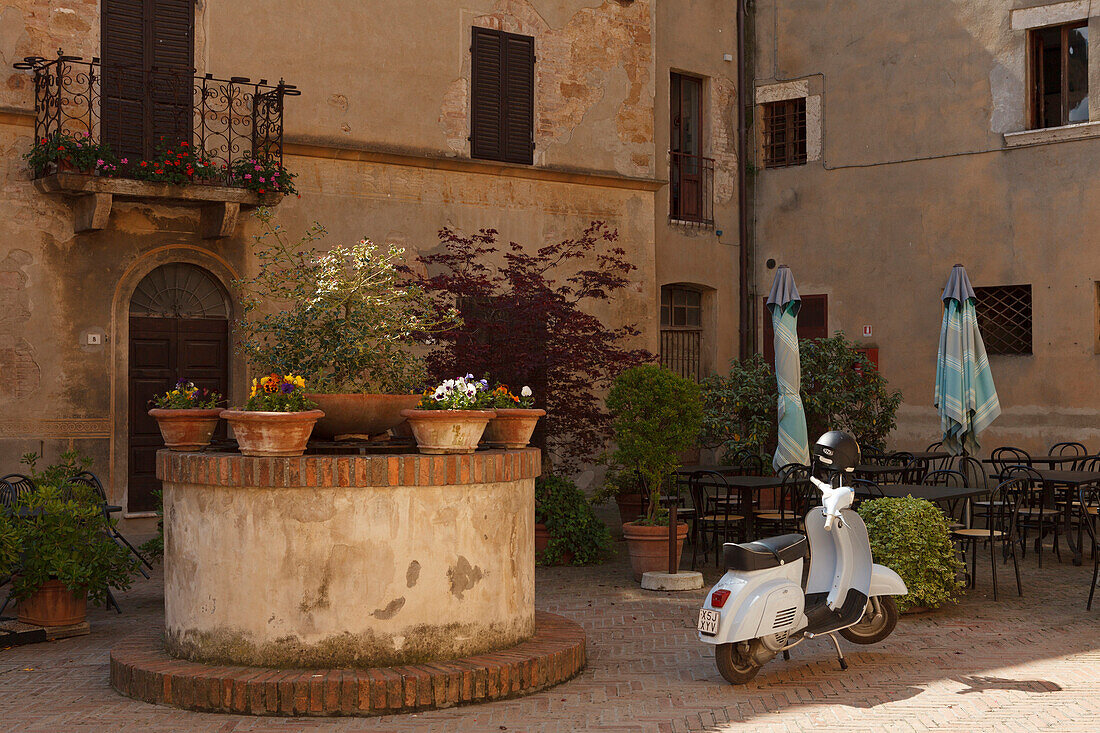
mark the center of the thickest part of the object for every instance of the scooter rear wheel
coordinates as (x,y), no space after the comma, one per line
(873,628)
(737,668)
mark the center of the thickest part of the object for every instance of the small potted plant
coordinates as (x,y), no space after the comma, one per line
(515,420)
(187,416)
(67,151)
(65,556)
(656,415)
(567,531)
(277,420)
(447,420)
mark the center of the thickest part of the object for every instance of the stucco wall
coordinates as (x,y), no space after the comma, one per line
(914,178)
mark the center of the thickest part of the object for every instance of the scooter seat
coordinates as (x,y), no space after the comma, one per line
(770,552)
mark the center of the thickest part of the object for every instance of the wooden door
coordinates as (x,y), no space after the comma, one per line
(163,351)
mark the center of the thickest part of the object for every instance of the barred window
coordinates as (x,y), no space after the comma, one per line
(682,331)
(1004,317)
(785,133)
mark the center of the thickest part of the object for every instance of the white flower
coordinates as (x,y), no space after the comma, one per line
(526,392)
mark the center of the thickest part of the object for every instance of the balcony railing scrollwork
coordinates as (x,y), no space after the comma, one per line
(141,111)
(692,190)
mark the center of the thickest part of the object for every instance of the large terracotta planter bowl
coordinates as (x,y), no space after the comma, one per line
(360,414)
(53,605)
(648,547)
(188,429)
(512,427)
(272,433)
(441,432)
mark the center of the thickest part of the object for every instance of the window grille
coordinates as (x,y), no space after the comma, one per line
(785,133)
(682,331)
(1005,318)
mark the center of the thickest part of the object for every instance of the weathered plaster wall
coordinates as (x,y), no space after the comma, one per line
(354,576)
(692,38)
(915,178)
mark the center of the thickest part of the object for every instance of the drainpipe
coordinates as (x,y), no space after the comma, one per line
(744,323)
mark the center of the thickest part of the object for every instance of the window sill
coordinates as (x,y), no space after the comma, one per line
(1079,131)
(694,223)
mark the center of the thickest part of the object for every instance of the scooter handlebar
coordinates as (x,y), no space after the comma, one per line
(832,500)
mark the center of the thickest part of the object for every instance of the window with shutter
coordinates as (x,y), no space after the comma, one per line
(502,105)
(148,60)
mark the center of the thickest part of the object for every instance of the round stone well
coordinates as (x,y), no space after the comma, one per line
(368,566)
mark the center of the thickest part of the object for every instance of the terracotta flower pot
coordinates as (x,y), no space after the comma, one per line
(630,507)
(360,414)
(512,427)
(648,547)
(54,605)
(542,541)
(188,429)
(272,433)
(440,432)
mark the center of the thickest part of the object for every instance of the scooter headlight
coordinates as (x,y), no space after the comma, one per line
(718,598)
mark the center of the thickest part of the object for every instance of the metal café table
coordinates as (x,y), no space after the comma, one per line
(745,486)
(1071,481)
(1050,461)
(934,494)
(875,472)
(926,455)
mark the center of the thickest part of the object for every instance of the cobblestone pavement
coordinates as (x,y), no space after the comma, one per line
(1030,663)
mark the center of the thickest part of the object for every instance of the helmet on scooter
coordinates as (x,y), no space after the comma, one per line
(837,451)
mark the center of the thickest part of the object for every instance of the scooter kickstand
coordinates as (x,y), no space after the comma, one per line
(786,655)
(839,654)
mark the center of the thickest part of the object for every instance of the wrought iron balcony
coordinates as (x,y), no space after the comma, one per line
(140,111)
(692,189)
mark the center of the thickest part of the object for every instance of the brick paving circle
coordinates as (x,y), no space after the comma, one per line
(142,670)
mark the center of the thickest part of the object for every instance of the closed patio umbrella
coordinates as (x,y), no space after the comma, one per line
(784,303)
(965,395)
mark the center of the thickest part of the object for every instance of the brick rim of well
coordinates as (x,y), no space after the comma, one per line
(142,670)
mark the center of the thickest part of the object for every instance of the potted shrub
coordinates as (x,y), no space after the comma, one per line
(567,532)
(624,488)
(277,419)
(187,416)
(911,537)
(66,556)
(345,319)
(656,415)
(447,420)
(515,419)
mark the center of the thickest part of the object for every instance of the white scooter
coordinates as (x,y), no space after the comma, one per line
(759,608)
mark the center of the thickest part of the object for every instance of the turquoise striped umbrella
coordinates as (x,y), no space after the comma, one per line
(965,395)
(784,303)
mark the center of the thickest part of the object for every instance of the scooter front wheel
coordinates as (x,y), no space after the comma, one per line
(876,624)
(736,666)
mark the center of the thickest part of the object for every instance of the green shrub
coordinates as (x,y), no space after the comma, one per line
(9,546)
(569,519)
(656,415)
(841,390)
(910,536)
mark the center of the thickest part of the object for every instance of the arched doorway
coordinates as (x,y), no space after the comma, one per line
(179,328)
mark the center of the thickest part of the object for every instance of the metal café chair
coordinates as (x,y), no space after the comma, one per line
(1005,502)
(939,464)
(1089,496)
(717,512)
(953,479)
(1069,448)
(1038,511)
(1006,456)
(913,471)
(789,502)
(752,465)
(18,486)
(89,479)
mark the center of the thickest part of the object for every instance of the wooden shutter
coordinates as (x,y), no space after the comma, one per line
(502,104)
(123,87)
(148,60)
(519,98)
(171,39)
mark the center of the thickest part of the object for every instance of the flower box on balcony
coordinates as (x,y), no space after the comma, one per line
(93,196)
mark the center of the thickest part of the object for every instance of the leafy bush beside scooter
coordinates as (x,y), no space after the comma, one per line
(573,526)
(910,536)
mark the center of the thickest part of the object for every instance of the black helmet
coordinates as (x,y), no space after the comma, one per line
(837,451)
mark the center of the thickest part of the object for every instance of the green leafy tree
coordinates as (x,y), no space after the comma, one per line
(910,536)
(841,390)
(344,318)
(656,415)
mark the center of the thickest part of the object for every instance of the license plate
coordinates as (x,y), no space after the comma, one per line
(708,621)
